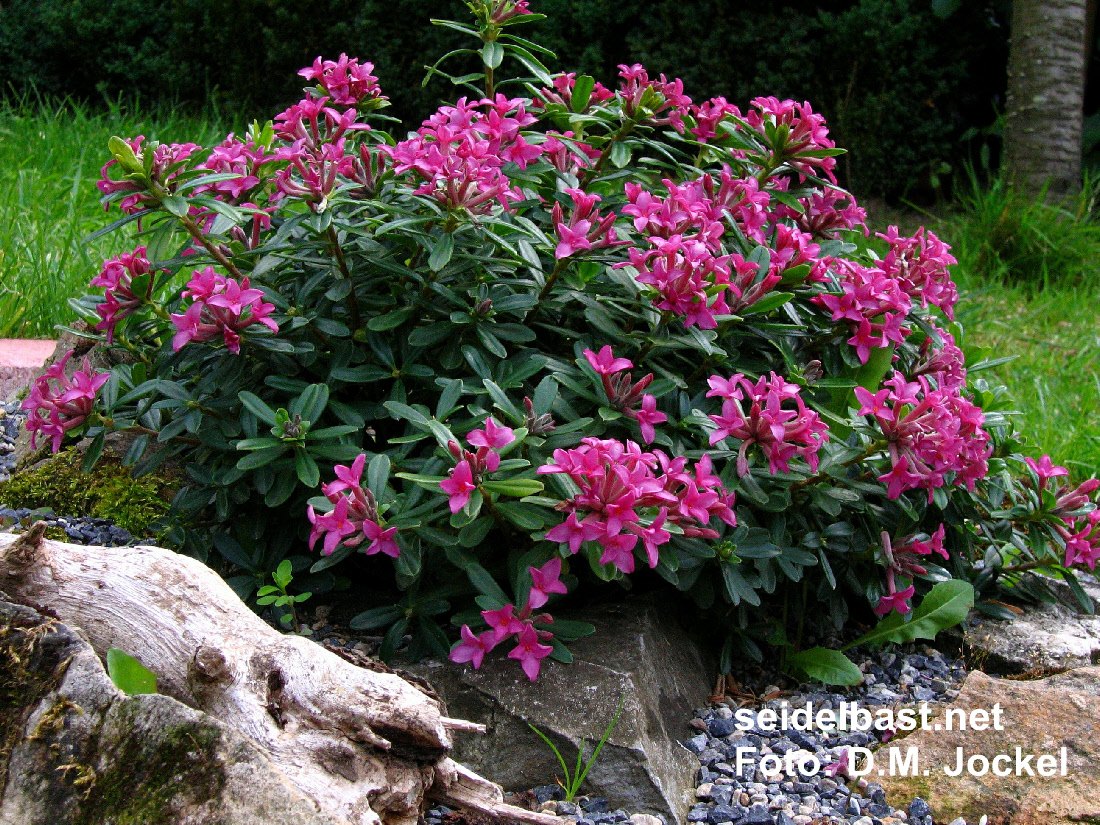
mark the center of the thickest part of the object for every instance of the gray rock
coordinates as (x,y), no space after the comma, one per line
(1048,636)
(638,651)
(76,749)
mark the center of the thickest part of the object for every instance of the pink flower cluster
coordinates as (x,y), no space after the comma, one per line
(803,139)
(930,433)
(346,81)
(708,115)
(165,167)
(901,558)
(825,212)
(116,277)
(587,228)
(472,466)
(781,432)
(529,650)
(919,264)
(53,411)
(620,488)
(236,157)
(459,152)
(660,102)
(874,304)
(316,135)
(1080,533)
(566,154)
(624,395)
(222,308)
(354,518)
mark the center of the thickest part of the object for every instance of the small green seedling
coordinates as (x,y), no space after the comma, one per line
(276,595)
(129,675)
(572,782)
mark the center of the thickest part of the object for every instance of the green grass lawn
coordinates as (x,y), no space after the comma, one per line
(50,157)
(1048,315)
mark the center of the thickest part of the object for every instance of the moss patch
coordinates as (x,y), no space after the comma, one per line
(151,779)
(29,669)
(108,491)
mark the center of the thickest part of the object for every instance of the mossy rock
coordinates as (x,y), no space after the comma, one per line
(108,491)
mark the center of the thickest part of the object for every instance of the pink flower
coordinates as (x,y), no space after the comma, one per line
(647,416)
(545,580)
(381,541)
(898,601)
(116,277)
(347,478)
(573,532)
(502,622)
(1045,469)
(530,652)
(459,486)
(493,436)
(606,363)
(333,526)
(472,648)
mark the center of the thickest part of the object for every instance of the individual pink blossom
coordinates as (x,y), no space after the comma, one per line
(647,417)
(459,486)
(494,436)
(473,648)
(605,362)
(781,432)
(544,581)
(574,533)
(1045,469)
(502,622)
(895,600)
(55,409)
(530,652)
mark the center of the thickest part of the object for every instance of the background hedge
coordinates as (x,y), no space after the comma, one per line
(900,86)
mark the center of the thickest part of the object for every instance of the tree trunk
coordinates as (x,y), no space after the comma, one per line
(365,745)
(1046,86)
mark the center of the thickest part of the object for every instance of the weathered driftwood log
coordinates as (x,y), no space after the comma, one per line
(365,745)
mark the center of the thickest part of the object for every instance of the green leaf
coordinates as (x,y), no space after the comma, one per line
(442,251)
(946,604)
(518,487)
(378,473)
(391,320)
(306,468)
(255,405)
(283,574)
(376,617)
(485,583)
(582,92)
(492,54)
(129,675)
(820,664)
(311,403)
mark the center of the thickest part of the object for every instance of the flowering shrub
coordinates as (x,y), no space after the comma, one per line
(441,333)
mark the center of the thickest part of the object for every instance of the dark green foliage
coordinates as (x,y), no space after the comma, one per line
(898,85)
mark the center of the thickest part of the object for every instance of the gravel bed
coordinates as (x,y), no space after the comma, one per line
(905,677)
(11,419)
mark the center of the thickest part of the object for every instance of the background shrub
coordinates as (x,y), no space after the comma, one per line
(899,85)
